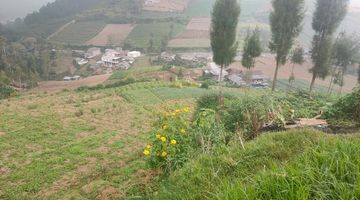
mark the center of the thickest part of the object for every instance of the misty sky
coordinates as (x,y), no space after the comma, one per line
(11,9)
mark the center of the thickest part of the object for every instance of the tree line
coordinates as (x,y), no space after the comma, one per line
(330,57)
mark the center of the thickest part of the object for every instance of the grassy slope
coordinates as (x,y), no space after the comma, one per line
(293,165)
(79,32)
(141,34)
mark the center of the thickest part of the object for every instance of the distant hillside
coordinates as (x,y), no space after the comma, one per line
(92,16)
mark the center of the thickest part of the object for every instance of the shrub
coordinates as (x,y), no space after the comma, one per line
(6,92)
(250,114)
(208,132)
(346,108)
(170,141)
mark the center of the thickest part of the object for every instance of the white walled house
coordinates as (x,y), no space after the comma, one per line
(134,54)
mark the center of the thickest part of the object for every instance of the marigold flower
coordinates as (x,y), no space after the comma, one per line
(148,146)
(158,136)
(164,127)
(177,111)
(164,154)
(146,152)
(182,131)
(186,109)
(163,139)
(173,142)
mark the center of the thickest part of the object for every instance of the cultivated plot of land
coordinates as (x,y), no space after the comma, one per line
(112,34)
(81,145)
(55,86)
(266,64)
(79,32)
(142,33)
(197,34)
(165,5)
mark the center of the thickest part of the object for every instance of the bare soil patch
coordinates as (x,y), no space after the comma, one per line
(112,34)
(197,34)
(2,133)
(167,5)
(55,86)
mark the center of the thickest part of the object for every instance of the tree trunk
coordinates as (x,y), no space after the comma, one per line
(221,98)
(312,83)
(292,75)
(275,76)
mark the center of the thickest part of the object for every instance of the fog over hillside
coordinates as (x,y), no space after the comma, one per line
(12,9)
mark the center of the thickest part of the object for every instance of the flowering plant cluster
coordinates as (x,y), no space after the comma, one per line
(169,140)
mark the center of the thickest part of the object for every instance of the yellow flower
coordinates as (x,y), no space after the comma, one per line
(182,131)
(164,154)
(158,136)
(177,111)
(164,127)
(146,152)
(163,139)
(173,142)
(148,146)
(186,109)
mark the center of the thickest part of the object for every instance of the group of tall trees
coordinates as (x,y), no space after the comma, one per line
(286,21)
(24,62)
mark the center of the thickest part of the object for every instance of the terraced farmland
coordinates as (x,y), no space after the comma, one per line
(79,32)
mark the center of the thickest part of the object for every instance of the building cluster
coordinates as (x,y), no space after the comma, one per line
(255,79)
(203,60)
(99,62)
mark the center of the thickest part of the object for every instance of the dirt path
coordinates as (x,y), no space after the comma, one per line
(55,86)
(61,29)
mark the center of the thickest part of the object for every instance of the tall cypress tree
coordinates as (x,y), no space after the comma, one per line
(252,49)
(224,20)
(297,57)
(327,18)
(286,24)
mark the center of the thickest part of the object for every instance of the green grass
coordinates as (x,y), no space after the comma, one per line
(79,32)
(141,34)
(302,164)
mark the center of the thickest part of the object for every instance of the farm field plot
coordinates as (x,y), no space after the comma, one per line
(80,145)
(197,34)
(112,34)
(142,33)
(166,5)
(79,32)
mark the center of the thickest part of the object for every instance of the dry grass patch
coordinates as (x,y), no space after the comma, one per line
(112,34)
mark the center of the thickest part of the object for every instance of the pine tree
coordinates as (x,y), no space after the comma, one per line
(297,57)
(224,21)
(252,49)
(327,17)
(286,24)
(345,50)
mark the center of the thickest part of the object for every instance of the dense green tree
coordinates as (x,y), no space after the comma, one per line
(224,20)
(359,74)
(252,49)
(345,51)
(286,24)
(327,17)
(297,58)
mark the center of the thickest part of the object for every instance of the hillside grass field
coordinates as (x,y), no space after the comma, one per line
(142,33)
(76,144)
(79,33)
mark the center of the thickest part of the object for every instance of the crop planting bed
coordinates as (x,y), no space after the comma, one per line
(79,32)
(166,5)
(142,33)
(197,34)
(112,34)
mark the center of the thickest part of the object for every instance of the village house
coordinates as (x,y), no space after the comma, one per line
(71,78)
(92,52)
(134,54)
(81,61)
(236,79)
(214,70)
